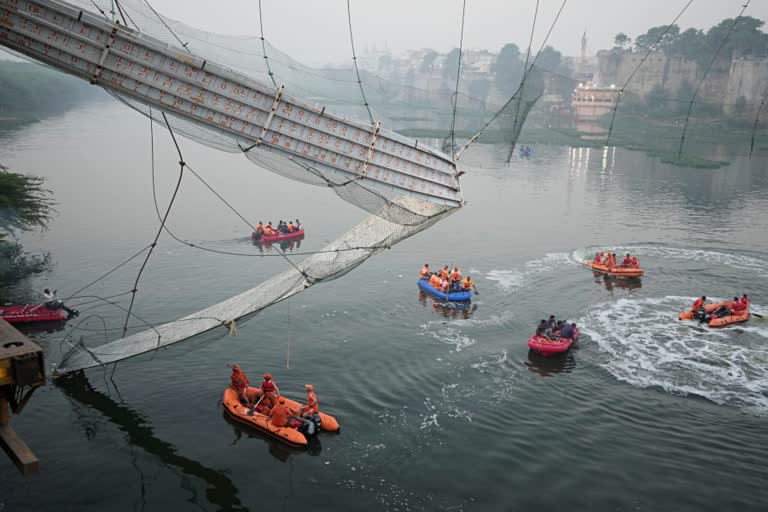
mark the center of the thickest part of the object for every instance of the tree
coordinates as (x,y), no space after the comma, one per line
(549,59)
(621,40)
(691,44)
(745,39)
(451,66)
(428,61)
(648,40)
(657,99)
(509,69)
(24,206)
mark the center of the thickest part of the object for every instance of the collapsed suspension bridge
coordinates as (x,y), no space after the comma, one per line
(406,185)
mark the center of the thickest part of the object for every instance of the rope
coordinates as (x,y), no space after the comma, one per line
(757,120)
(704,76)
(354,60)
(183,45)
(477,135)
(458,74)
(106,274)
(162,225)
(632,75)
(264,48)
(522,84)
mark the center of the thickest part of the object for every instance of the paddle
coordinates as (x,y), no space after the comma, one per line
(758,315)
(250,411)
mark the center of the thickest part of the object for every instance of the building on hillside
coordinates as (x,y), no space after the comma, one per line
(591,102)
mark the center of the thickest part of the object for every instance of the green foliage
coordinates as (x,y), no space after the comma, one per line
(549,58)
(15,264)
(509,69)
(648,40)
(621,40)
(24,203)
(30,91)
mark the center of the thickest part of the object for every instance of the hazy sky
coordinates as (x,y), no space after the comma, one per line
(315,31)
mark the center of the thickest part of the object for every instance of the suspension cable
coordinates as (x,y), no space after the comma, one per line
(107,273)
(162,224)
(183,45)
(264,47)
(458,75)
(704,76)
(354,60)
(642,61)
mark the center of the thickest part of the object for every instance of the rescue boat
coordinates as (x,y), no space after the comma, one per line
(452,296)
(552,346)
(718,322)
(247,415)
(31,313)
(615,271)
(279,237)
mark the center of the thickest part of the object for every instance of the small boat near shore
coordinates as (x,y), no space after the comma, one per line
(31,313)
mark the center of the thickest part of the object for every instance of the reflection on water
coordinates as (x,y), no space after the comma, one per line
(549,366)
(280,451)
(220,490)
(610,282)
(285,245)
(448,309)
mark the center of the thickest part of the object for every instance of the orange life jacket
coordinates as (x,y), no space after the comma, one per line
(280,415)
(239,381)
(467,284)
(312,406)
(697,305)
(434,281)
(290,227)
(444,285)
(269,231)
(425,272)
(455,276)
(443,273)
(259,228)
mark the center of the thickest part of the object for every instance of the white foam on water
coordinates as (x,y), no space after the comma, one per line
(447,335)
(734,260)
(649,347)
(511,280)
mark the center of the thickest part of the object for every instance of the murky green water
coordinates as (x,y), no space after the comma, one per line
(440,409)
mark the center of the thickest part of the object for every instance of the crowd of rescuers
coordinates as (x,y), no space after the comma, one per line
(282,228)
(737,307)
(271,403)
(446,280)
(608,259)
(553,328)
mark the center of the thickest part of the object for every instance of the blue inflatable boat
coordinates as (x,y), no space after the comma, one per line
(453,296)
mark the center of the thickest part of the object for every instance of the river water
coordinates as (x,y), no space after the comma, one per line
(441,409)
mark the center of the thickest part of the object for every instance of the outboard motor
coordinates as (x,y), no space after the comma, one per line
(701,315)
(310,425)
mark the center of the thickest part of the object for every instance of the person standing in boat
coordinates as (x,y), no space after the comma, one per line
(239,382)
(269,390)
(298,225)
(424,274)
(551,324)
(745,300)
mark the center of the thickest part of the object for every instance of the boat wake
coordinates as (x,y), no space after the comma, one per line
(744,262)
(648,346)
(515,279)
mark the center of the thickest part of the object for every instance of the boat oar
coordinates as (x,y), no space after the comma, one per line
(758,315)
(250,411)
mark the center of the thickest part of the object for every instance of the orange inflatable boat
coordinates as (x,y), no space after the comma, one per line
(718,322)
(615,271)
(247,415)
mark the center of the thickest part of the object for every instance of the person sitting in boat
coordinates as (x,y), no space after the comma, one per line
(312,406)
(54,304)
(291,229)
(611,261)
(281,227)
(455,275)
(259,230)
(444,272)
(738,307)
(551,323)
(434,281)
(635,262)
(269,390)
(280,416)
(445,286)
(745,299)
(541,328)
(627,261)
(598,258)
(467,284)
(269,230)
(425,273)
(239,382)
(567,330)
